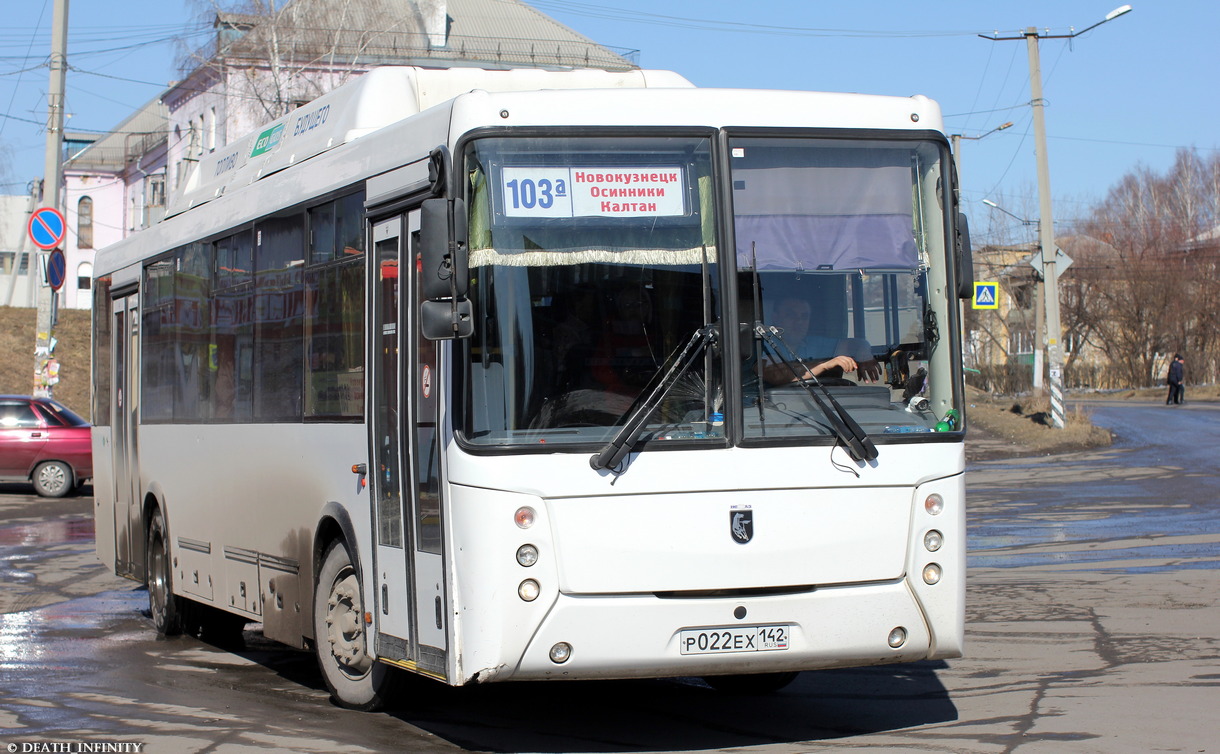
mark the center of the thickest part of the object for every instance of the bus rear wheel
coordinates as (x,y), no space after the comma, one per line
(341,639)
(163,607)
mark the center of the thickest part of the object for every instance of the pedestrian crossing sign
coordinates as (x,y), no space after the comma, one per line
(986,295)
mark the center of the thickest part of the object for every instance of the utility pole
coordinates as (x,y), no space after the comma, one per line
(1046,241)
(52,174)
(1046,232)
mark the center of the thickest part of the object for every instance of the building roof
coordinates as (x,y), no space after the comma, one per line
(137,135)
(436,33)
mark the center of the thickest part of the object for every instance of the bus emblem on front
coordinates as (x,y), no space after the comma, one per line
(741,524)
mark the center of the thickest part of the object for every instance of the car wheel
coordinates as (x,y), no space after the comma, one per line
(354,678)
(164,608)
(53,479)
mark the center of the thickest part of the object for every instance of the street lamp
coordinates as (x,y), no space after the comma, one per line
(957,145)
(1046,226)
(993,205)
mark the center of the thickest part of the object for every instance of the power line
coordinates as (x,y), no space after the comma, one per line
(614,13)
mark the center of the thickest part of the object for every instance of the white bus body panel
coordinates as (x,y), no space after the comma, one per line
(104,533)
(255,558)
(615,556)
(694,108)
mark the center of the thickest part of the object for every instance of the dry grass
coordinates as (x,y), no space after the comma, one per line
(1022,426)
(72,351)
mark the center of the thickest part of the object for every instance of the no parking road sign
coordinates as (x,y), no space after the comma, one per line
(46,228)
(57,269)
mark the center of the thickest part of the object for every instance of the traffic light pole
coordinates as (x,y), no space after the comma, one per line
(51,184)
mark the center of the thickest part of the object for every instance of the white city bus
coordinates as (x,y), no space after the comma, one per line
(530,375)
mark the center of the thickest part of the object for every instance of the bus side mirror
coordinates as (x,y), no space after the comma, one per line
(444,270)
(964,257)
(445,320)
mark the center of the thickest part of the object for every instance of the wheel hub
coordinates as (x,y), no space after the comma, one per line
(345,625)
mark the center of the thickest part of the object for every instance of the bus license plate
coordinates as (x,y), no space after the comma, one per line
(737,639)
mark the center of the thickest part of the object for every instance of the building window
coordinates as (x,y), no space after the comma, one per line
(84,223)
(84,276)
(156,190)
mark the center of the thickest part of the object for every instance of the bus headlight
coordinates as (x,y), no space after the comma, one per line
(932,541)
(527,555)
(561,652)
(529,590)
(931,573)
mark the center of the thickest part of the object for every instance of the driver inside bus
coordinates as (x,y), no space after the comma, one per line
(830,357)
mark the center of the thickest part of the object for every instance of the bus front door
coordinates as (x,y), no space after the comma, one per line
(404,484)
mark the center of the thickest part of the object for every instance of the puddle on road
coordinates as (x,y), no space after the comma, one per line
(1100,515)
(53,532)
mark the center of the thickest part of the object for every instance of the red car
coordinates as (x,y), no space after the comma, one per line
(43,442)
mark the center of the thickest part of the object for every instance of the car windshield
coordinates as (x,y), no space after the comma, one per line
(592,261)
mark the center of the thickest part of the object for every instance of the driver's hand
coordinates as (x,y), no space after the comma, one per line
(869,371)
(846,363)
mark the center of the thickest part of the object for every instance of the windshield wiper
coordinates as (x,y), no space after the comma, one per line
(617,449)
(853,436)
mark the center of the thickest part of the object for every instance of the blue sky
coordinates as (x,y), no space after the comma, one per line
(1126,94)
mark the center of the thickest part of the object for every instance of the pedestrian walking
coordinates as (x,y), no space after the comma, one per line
(1177,391)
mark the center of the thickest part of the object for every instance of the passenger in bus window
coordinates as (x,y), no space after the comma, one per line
(831,357)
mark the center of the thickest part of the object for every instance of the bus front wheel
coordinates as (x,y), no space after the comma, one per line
(341,638)
(164,608)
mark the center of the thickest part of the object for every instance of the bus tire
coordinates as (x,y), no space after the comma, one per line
(164,607)
(354,678)
(755,683)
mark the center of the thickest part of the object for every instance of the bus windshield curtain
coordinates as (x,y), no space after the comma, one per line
(794,242)
(838,209)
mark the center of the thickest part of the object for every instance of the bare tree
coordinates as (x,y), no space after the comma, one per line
(278,54)
(1148,282)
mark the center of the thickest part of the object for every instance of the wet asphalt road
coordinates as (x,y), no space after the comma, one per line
(1093,625)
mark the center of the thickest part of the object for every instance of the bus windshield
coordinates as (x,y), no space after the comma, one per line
(842,274)
(592,263)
